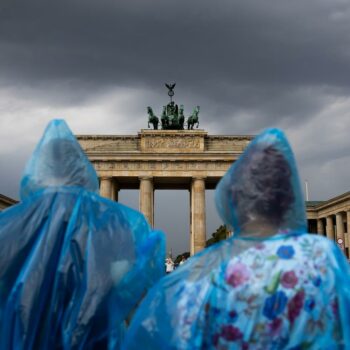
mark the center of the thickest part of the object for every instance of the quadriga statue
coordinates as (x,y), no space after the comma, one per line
(193,119)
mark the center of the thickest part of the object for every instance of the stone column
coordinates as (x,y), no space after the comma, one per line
(340,227)
(147,198)
(320,229)
(191,224)
(106,185)
(330,228)
(198,214)
(347,237)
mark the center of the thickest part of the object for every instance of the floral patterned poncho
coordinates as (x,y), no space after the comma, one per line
(256,290)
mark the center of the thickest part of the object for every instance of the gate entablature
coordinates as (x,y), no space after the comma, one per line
(160,153)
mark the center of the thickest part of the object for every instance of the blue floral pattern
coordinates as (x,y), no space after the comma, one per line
(285,252)
(275,305)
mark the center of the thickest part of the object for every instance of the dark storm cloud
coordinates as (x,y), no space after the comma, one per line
(249,64)
(236,55)
(212,45)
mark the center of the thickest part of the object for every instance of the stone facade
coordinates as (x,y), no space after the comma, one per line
(164,159)
(6,202)
(331,218)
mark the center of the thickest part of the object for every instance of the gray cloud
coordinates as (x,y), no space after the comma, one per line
(249,64)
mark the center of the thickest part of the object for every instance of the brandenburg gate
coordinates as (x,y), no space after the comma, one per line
(164,159)
(175,158)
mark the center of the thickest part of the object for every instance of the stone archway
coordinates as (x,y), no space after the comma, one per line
(164,159)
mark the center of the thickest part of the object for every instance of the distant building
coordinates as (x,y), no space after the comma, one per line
(6,202)
(331,218)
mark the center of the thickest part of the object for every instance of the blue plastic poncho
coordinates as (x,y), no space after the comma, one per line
(270,286)
(65,251)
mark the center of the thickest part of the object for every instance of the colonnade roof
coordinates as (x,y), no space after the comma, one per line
(313,203)
(318,205)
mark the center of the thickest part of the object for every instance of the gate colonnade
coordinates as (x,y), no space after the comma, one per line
(109,188)
(164,159)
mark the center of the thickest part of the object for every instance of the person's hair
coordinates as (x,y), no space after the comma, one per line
(262,186)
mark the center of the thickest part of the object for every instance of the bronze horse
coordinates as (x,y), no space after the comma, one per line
(152,118)
(193,119)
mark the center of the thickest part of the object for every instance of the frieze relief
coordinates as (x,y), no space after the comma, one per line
(166,142)
(172,142)
(120,144)
(226,144)
(162,166)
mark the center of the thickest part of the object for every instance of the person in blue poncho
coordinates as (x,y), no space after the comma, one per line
(67,255)
(270,286)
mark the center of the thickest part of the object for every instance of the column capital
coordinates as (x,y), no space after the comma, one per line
(106,177)
(199,178)
(146,178)
(198,181)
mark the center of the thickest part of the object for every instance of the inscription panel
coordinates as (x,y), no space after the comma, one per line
(169,143)
(172,142)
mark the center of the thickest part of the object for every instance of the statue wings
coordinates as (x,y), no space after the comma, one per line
(170,86)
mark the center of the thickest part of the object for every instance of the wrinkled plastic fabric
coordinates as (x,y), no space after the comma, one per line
(244,176)
(283,290)
(57,161)
(65,252)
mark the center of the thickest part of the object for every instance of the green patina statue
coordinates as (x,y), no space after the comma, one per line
(153,119)
(173,117)
(193,119)
(181,117)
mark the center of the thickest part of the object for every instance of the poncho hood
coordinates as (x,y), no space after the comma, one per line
(263,187)
(58,160)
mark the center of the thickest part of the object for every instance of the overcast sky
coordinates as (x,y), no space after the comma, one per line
(249,64)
